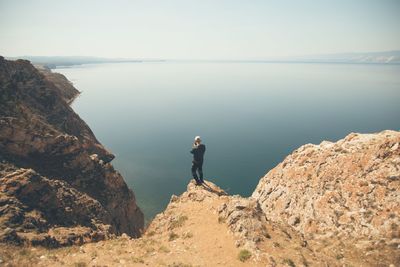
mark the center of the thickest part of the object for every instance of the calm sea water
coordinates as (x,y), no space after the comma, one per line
(250,116)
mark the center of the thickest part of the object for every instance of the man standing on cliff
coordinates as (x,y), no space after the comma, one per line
(198,151)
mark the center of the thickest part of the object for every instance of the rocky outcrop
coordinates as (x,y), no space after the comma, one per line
(64,86)
(53,161)
(339,200)
(333,204)
(30,202)
(349,189)
(246,220)
(206,211)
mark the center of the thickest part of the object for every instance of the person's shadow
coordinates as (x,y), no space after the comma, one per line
(212,190)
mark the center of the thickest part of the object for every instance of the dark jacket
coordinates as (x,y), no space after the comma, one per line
(198,153)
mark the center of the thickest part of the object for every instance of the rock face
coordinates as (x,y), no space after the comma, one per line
(64,86)
(348,189)
(30,202)
(52,165)
(246,220)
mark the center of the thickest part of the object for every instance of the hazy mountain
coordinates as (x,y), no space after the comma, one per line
(386,57)
(54,61)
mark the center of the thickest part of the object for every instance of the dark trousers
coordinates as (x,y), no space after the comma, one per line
(197,167)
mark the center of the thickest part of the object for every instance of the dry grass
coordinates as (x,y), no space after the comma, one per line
(164,249)
(149,249)
(151,233)
(137,260)
(179,264)
(187,235)
(24,252)
(80,264)
(289,262)
(178,222)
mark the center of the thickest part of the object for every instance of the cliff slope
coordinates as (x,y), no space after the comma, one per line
(54,174)
(345,189)
(345,195)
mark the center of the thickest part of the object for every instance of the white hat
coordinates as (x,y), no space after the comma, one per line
(197,138)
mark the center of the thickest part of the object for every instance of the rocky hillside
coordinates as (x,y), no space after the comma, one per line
(202,227)
(57,185)
(348,189)
(344,194)
(206,227)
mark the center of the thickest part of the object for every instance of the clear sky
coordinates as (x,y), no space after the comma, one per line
(203,29)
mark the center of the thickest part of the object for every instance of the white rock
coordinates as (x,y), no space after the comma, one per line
(395,147)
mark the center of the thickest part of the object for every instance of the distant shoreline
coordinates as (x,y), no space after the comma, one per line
(368,58)
(282,62)
(53,67)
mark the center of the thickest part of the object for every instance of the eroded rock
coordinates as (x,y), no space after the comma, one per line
(53,165)
(348,188)
(246,220)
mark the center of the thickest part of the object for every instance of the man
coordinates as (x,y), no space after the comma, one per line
(198,151)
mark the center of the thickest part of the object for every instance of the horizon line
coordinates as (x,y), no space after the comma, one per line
(269,58)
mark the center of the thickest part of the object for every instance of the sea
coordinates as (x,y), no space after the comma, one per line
(250,116)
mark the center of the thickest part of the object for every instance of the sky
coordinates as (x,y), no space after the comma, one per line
(204,29)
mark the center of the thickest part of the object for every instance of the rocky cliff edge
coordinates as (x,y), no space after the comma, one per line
(57,185)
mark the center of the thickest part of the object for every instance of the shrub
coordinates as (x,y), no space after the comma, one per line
(339,256)
(276,245)
(244,255)
(151,233)
(172,236)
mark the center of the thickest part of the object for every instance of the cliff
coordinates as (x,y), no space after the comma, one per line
(57,185)
(346,189)
(205,226)
(332,204)
(344,195)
